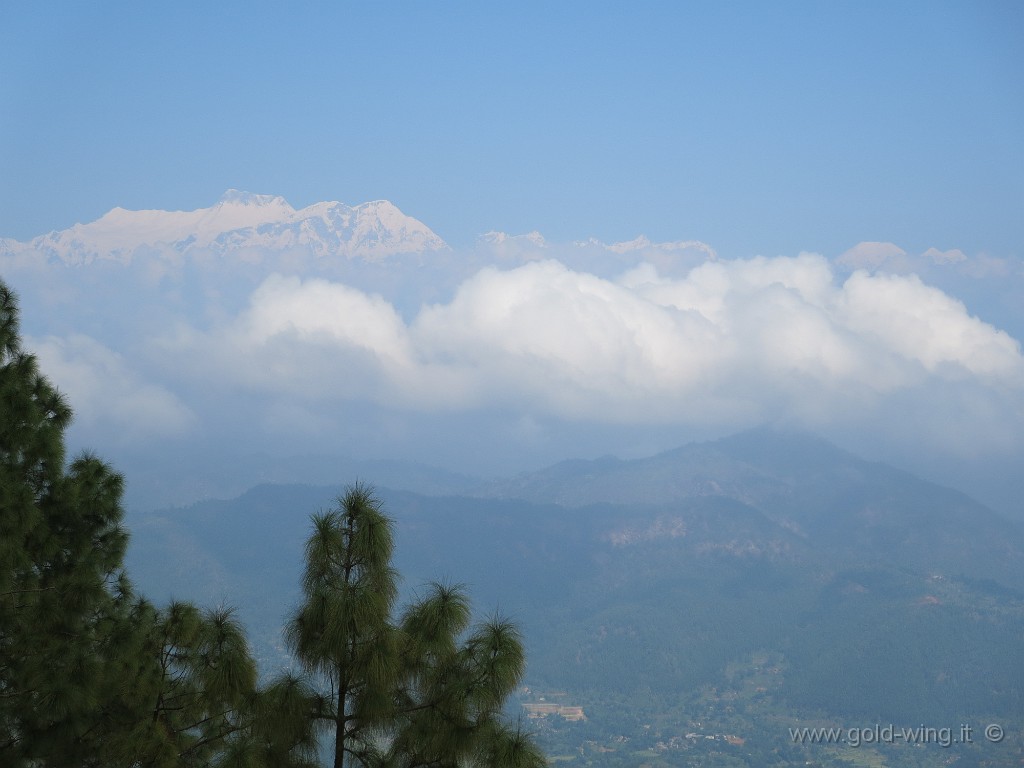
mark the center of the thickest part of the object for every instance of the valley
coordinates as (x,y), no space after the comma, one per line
(753,585)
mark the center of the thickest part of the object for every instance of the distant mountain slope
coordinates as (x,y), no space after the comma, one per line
(239,220)
(876,596)
(837,502)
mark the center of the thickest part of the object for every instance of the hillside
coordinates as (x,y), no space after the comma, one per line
(841,505)
(871,595)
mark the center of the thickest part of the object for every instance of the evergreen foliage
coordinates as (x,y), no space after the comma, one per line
(427,690)
(62,595)
(92,675)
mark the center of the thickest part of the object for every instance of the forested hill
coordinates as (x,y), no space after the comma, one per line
(876,593)
(836,502)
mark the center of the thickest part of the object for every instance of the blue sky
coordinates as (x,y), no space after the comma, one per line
(758,128)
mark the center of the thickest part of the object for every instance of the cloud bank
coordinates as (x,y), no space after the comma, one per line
(731,342)
(106,393)
(519,351)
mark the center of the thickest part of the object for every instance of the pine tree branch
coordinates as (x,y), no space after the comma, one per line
(25,592)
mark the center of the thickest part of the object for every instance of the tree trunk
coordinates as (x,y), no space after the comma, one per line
(340,724)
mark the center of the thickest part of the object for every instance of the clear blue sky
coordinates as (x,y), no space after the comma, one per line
(757,127)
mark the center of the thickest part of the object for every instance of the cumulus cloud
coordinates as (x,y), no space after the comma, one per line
(544,335)
(316,340)
(923,324)
(730,342)
(105,391)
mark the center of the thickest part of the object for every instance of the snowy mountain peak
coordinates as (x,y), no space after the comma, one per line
(533,238)
(238,210)
(239,197)
(239,220)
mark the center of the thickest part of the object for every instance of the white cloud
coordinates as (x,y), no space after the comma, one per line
(921,323)
(105,392)
(731,342)
(319,341)
(318,310)
(545,336)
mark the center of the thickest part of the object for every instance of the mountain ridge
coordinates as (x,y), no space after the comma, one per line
(829,497)
(662,608)
(371,231)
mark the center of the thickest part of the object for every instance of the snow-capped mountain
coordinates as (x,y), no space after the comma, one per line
(239,220)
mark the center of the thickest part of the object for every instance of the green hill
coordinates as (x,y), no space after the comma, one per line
(656,593)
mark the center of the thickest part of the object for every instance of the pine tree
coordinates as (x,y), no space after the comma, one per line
(341,633)
(61,544)
(425,691)
(91,675)
(454,686)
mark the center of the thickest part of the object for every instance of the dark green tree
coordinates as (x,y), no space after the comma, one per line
(91,675)
(341,633)
(194,687)
(61,544)
(427,690)
(455,680)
